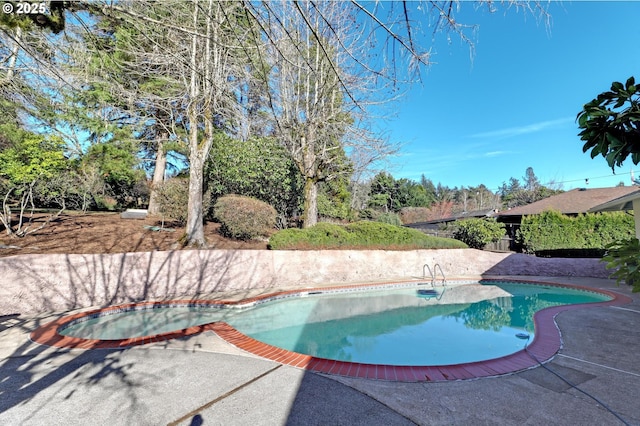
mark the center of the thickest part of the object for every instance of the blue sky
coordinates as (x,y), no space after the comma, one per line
(513,105)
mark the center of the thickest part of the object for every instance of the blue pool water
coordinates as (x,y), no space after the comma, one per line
(398,326)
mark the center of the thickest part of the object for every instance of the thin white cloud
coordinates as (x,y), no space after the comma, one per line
(494,153)
(522,130)
(489,154)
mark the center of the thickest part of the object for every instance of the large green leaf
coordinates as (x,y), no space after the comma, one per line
(631,83)
(582,120)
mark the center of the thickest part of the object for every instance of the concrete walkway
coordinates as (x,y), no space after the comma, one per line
(203,380)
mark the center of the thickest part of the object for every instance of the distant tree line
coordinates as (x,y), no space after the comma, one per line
(423,201)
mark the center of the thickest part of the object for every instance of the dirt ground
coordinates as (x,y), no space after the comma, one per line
(108,233)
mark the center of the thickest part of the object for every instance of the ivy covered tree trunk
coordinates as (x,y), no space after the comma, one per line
(309,169)
(310,214)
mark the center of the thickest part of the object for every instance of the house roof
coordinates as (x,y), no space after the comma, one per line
(624,202)
(576,201)
(457,216)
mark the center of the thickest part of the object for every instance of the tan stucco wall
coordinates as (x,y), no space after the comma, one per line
(49,283)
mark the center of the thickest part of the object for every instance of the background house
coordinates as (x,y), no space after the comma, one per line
(571,203)
(435,227)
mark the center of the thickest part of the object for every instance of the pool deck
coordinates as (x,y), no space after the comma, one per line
(202,379)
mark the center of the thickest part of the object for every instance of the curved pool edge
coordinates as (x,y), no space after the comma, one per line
(545,345)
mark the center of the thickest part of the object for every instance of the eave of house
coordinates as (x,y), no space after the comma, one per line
(619,204)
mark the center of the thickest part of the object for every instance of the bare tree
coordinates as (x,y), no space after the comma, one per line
(210,101)
(318,96)
(325,79)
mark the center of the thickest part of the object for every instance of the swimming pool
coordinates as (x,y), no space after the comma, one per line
(458,324)
(394,327)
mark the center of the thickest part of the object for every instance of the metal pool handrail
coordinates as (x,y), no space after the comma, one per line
(432,273)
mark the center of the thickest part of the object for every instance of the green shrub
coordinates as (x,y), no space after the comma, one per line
(367,214)
(624,257)
(325,234)
(334,200)
(358,235)
(389,218)
(378,233)
(259,167)
(173,198)
(477,233)
(244,218)
(551,230)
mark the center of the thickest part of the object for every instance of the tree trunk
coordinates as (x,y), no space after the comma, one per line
(158,176)
(310,215)
(194,231)
(11,69)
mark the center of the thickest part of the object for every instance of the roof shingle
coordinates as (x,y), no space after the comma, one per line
(576,201)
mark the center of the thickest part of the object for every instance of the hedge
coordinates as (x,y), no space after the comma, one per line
(553,231)
(358,235)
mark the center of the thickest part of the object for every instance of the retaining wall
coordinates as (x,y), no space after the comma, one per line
(55,282)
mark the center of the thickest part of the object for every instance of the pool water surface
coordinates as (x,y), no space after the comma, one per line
(402,326)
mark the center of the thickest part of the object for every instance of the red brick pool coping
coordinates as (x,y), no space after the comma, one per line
(546,344)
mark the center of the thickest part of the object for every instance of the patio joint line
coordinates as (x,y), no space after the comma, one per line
(600,365)
(626,309)
(221,397)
